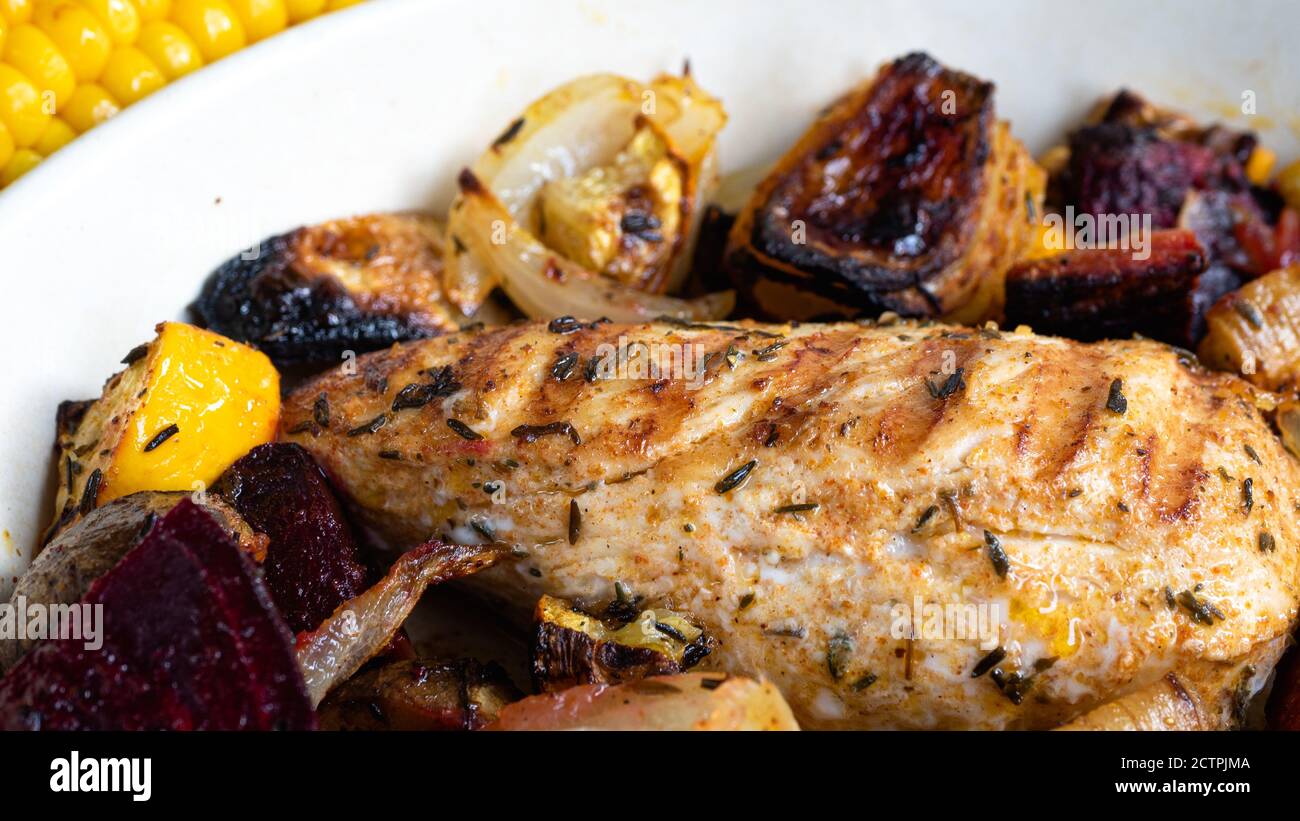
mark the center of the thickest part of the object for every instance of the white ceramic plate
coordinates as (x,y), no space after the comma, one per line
(377,107)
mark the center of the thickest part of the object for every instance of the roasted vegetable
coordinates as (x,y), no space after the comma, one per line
(688,701)
(1255,331)
(312,564)
(65,569)
(190,641)
(347,285)
(1138,158)
(1108,293)
(906,195)
(416,694)
(587,204)
(363,626)
(188,405)
(572,647)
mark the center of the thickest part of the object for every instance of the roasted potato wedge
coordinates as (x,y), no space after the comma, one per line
(688,701)
(416,694)
(354,284)
(906,195)
(188,405)
(572,647)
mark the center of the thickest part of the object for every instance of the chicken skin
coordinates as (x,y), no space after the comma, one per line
(900,525)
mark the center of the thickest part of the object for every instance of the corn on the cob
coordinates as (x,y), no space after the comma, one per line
(68,65)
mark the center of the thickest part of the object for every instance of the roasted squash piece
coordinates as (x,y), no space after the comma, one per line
(906,195)
(1108,293)
(187,406)
(572,647)
(356,284)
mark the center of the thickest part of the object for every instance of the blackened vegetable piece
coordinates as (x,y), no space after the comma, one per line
(418,694)
(312,565)
(356,284)
(186,595)
(1108,293)
(572,647)
(907,195)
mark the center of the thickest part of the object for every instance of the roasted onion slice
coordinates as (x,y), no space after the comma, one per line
(906,195)
(587,204)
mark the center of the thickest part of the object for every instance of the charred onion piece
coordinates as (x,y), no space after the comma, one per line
(191,641)
(687,701)
(1255,331)
(572,648)
(587,204)
(363,626)
(1107,293)
(355,284)
(543,284)
(906,195)
(418,694)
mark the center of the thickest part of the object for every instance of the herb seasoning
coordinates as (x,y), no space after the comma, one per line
(464,430)
(162,436)
(926,516)
(320,411)
(1001,564)
(575,521)
(951,385)
(369,427)
(1115,401)
(91,492)
(1266,542)
(1248,494)
(838,651)
(563,367)
(531,433)
(564,325)
(733,479)
(988,662)
(806,507)
(1202,610)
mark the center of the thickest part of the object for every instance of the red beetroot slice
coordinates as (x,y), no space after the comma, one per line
(191,641)
(311,565)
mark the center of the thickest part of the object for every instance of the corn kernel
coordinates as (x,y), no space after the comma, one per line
(261,18)
(335,5)
(32,52)
(16,12)
(131,76)
(171,49)
(79,36)
(300,10)
(23,160)
(6,145)
(4,33)
(57,134)
(151,10)
(89,106)
(119,17)
(20,107)
(212,24)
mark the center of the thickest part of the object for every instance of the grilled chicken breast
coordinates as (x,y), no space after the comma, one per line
(900,525)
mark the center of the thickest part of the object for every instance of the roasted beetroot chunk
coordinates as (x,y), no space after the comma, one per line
(191,641)
(311,564)
(1106,293)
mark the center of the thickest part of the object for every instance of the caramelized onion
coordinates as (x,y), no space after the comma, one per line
(363,626)
(577,140)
